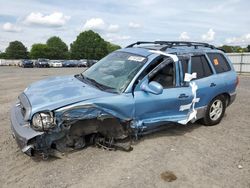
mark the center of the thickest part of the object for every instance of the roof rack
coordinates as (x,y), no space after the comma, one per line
(170,44)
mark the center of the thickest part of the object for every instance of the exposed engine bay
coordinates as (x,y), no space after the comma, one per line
(109,134)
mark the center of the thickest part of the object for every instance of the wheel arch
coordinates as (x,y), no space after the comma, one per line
(206,119)
(226,96)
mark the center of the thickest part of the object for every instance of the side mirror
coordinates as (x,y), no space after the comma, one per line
(152,87)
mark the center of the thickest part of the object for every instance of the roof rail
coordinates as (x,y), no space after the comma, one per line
(169,44)
(139,43)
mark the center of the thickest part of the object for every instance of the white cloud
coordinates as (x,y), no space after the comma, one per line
(209,36)
(134,25)
(242,40)
(56,19)
(95,24)
(99,25)
(116,37)
(113,28)
(184,36)
(9,27)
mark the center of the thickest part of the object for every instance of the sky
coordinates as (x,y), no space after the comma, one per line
(123,22)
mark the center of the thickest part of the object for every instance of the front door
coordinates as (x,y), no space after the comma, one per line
(153,109)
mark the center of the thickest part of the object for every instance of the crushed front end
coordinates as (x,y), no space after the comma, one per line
(47,133)
(29,138)
(22,131)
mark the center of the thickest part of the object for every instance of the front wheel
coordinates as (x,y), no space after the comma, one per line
(215,111)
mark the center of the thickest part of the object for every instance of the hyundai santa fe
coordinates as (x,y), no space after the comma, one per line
(133,91)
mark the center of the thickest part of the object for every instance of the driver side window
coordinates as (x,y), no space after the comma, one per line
(165,76)
(160,72)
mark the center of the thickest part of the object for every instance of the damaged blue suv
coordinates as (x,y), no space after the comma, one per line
(132,91)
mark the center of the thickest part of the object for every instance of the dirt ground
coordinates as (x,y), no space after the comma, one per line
(198,156)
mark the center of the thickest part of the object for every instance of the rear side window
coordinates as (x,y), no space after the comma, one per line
(219,62)
(199,64)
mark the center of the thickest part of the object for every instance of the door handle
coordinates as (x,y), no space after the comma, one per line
(212,85)
(183,96)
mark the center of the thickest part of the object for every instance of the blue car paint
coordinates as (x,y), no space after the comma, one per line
(71,99)
(56,92)
(163,107)
(120,106)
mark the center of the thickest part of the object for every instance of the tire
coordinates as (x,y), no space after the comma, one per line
(215,111)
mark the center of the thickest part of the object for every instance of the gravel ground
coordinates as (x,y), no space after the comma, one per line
(198,156)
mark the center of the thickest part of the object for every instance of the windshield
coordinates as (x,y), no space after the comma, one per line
(115,71)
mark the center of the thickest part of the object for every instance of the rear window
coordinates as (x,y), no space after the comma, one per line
(199,64)
(219,62)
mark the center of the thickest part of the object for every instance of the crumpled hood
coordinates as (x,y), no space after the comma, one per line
(56,92)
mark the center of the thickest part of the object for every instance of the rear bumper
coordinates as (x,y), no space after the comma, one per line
(22,131)
(57,65)
(232,98)
(42,65)
(28,66)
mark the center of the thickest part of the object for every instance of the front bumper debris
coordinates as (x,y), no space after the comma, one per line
(21,131)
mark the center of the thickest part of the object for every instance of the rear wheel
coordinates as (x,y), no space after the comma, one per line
(215,111)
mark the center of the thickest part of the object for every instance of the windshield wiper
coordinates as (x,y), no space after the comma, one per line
(97,84)
(80,77)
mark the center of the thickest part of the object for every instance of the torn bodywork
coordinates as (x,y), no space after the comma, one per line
(79,127)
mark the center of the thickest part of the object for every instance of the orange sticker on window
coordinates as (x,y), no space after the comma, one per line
(216,62)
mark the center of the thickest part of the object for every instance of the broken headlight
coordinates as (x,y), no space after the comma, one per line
(43,121)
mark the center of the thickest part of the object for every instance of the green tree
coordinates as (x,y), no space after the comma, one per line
(112,47)
(39,51)
(234,49)
(16,50)
(237,49)
(227,49)
(57,48)
(88,45)
(248,48)
(2,55)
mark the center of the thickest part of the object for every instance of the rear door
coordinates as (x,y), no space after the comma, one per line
(208,83)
